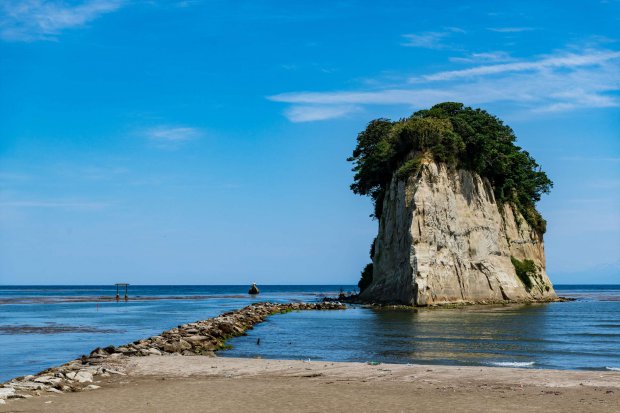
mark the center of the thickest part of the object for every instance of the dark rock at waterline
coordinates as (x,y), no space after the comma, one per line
(253,290)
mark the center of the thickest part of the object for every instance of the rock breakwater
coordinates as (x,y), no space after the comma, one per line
(191,339)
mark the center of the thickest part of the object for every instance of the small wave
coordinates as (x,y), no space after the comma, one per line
(512,363)
(53,329)
(612,368)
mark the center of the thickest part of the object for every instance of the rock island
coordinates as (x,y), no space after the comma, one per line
(455,199)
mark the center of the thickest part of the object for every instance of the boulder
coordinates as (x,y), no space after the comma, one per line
(82,376)
(5,392)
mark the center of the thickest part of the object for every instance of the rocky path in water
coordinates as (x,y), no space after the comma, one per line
(198,338)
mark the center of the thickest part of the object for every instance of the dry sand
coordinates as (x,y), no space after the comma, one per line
(202,384)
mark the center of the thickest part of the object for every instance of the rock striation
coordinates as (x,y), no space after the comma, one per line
(444,239)
(198,338)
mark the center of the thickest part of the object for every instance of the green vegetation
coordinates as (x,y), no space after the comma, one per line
(366,278)
(225,347)
(525,270)
(367,272)
(458,136)
(410,167)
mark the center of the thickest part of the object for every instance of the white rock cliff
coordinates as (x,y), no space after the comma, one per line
(443,239)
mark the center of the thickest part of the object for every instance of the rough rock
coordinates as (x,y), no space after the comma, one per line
(444,239)
(81,376)
(199,338)
(47,380)
(5,392)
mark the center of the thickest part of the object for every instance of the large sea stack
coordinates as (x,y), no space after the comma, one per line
(455,201)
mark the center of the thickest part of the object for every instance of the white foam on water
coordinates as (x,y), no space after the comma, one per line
(512,363)
(613,368)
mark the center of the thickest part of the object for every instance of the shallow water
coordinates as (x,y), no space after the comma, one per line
(583,334)
(45,326)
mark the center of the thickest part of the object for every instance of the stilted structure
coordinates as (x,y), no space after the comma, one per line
(118,286)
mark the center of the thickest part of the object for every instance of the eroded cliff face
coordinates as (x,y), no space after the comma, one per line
(443,239)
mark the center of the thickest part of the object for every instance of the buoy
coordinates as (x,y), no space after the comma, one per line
(253,289)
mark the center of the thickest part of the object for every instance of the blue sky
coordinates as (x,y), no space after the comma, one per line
(204,142)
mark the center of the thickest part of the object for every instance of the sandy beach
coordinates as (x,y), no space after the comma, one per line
(198,383)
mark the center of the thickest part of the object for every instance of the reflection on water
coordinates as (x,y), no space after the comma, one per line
(583,334)
(46,329)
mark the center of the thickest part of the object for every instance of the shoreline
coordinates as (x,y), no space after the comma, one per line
(197,383)
(355,299)
(202,337)
(186,354)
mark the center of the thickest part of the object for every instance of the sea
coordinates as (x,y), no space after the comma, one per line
(44,326)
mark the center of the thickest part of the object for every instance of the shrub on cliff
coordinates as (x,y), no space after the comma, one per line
(525,270)
(366,278)
(456,135)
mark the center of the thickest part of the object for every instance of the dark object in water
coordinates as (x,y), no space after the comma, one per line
(253,289)
(118,296)
(258,342)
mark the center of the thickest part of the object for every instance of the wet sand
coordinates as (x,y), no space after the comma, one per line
(195,383)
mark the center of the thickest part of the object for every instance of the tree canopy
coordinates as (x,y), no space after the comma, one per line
(458,136)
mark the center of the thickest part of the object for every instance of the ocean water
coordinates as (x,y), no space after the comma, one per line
(45,326)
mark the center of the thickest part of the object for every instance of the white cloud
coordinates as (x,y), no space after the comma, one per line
(553,83)
(568,60)
(430,40)
(510,29)
(487,57)
(187,3)
(308,113)
(166,135)
(173,133)
(30,20)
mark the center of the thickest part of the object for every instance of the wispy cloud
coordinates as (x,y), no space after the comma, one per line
(430,40)
(171,136)
(308,113)
(30,20)
(486,57)
(568,60)
(553,83)
(187,3)
(510,29)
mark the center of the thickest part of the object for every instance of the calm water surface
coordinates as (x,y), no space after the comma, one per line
(45,326)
